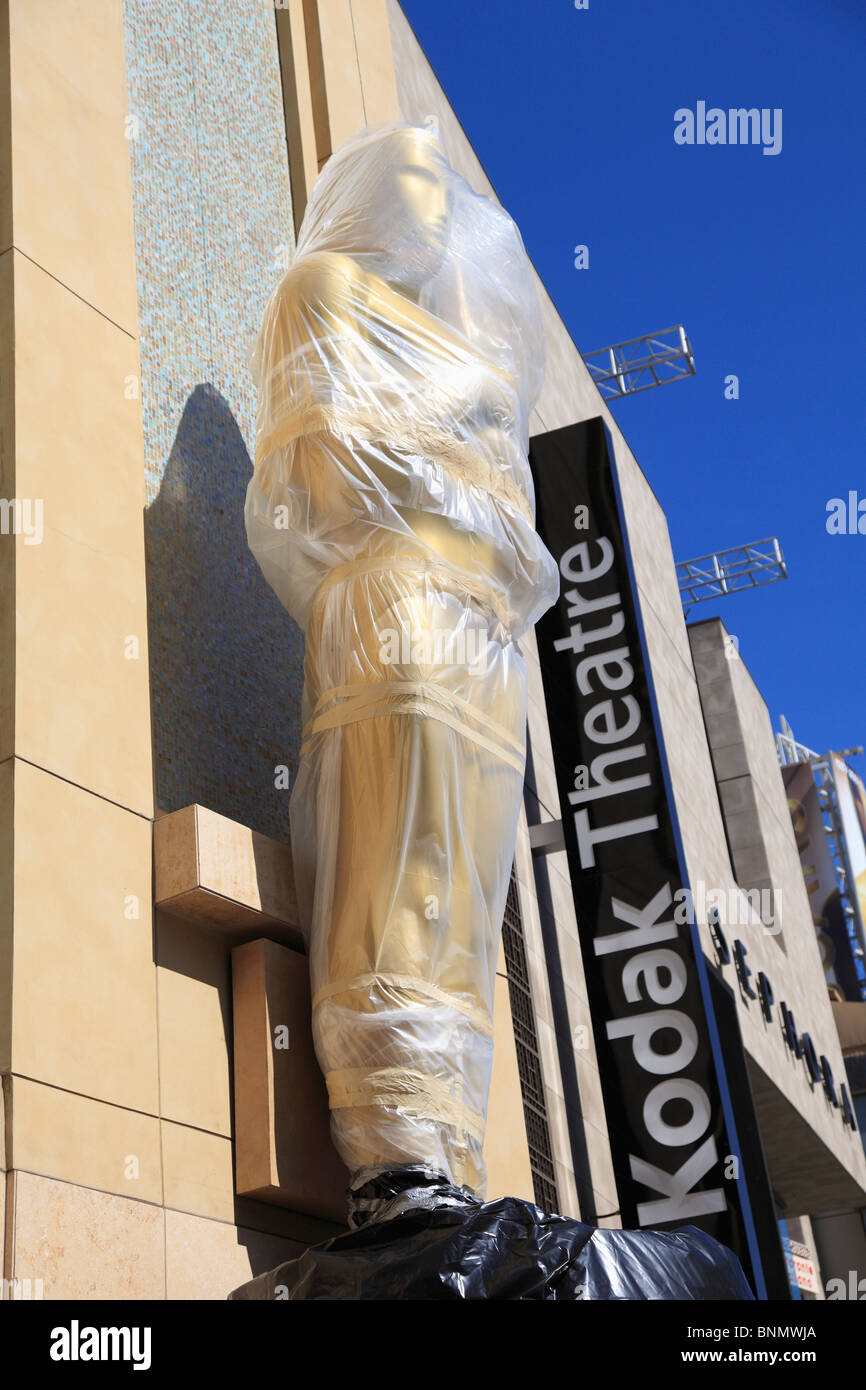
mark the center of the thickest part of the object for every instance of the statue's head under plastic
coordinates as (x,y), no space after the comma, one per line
(389,199)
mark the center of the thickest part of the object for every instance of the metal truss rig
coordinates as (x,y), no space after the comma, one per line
(729,571)
(641,363)
(789,750)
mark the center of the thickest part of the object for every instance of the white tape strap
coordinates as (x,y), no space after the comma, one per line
(369,699)
(436,447)
(407,1092)
(412,984)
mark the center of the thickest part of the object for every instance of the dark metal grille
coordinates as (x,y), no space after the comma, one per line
(528,1060)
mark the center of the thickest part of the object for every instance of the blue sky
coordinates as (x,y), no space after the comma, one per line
(759,256)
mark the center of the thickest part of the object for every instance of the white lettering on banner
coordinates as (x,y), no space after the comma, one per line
(580,640)
(645,959)
(651,972)
(600,663)
(578,606)
(598,770)
(607,722)
(588,572)
(612,732)
(679,1201)
(648,964)
(642,1028)
(647,930)
(587,838)
(678,1089)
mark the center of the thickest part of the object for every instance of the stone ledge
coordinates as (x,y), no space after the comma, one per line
(213,869)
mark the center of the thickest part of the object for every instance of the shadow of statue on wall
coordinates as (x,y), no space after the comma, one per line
(226,660)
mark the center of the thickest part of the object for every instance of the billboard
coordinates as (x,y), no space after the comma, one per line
(668,1107)
(839,940)
(851,796)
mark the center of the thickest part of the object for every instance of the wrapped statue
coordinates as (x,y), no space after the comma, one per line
(391,510)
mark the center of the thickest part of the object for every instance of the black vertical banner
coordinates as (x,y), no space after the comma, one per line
(668,1110)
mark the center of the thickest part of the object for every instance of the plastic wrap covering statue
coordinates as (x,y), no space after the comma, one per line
(392,512)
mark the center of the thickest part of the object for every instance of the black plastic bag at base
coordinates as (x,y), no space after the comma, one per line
(418,1237)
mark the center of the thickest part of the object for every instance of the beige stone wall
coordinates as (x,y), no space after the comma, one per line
(116,1073)
(338,75)
(79,1012)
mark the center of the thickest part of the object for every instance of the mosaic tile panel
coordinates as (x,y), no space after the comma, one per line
(213,227)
